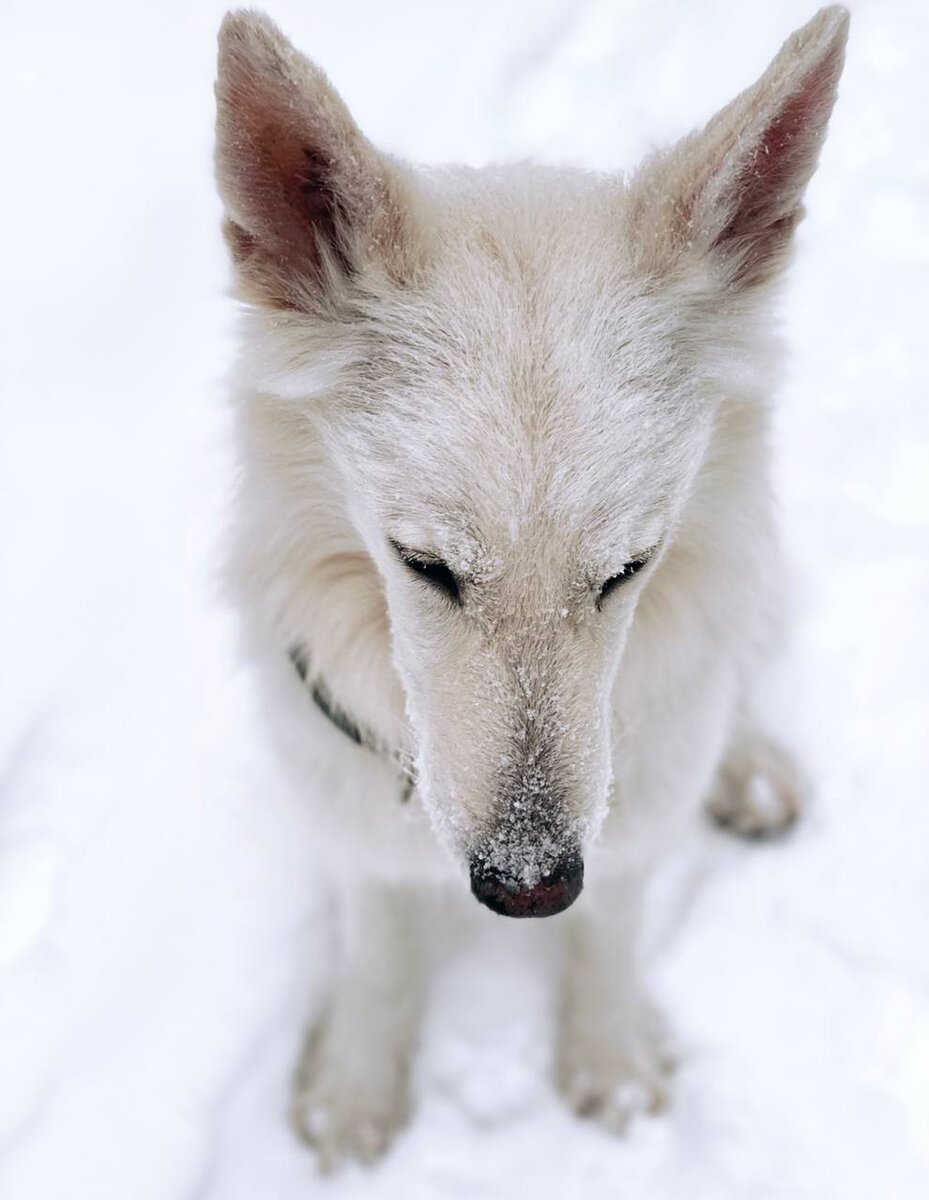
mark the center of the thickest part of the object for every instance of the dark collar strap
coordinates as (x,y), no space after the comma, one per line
(343,720)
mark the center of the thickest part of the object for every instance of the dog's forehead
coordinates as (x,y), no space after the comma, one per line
(528,382)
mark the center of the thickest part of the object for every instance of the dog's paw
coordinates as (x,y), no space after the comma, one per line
(346,1105)
(760,790)
(617,1077)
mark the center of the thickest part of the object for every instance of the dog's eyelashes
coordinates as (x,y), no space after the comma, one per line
(623,576)
(432,570)
(438,574)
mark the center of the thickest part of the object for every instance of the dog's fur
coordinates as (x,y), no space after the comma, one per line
(536,377)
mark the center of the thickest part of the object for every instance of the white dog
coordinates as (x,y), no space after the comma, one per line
(504,516)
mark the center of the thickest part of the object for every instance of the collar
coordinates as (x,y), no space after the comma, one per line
(344,721)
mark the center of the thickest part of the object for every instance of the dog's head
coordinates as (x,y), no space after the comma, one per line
(516,377)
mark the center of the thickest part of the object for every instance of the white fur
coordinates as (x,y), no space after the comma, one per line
(536,375)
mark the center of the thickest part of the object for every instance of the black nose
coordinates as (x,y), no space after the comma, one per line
(553,893)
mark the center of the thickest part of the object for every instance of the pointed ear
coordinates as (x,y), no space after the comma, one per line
(309,202)
(733,192)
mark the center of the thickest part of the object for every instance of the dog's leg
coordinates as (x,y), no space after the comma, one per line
(613,1056)
(351,1092)
(760,790)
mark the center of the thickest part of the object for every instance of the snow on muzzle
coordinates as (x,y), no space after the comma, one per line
(526,860)
(528,863)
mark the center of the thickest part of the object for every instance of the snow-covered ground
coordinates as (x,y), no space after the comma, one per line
(161,933)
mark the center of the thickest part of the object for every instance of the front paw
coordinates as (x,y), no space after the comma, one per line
(760,790)
(349,1098)
(615,1071)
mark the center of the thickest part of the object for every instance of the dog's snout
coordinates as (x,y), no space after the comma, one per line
(551,894)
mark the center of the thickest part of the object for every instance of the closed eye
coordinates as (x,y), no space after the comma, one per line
(430,569)
(616,581)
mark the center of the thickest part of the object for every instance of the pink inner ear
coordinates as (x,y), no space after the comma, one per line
(308,208)
(286,204)
(323,208)
(309,201)
(767,194)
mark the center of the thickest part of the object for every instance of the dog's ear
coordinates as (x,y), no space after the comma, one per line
(732,193)
(309,201)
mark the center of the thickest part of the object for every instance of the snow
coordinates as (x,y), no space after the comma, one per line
(161,933)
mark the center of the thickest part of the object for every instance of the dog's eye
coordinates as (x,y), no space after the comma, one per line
(615,581)
(431,569)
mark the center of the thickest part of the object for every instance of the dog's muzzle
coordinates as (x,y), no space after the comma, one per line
(552,894)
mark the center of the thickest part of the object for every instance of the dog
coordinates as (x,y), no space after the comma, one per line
(503,542)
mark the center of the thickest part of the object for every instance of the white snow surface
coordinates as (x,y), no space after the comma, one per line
(162,936)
